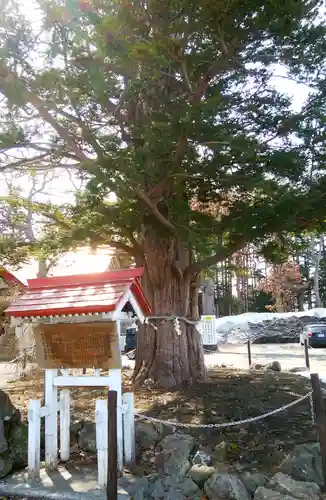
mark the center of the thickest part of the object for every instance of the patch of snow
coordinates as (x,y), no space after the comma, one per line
(306,374)
(242,321)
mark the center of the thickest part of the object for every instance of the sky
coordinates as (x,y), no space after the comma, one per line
(61,188)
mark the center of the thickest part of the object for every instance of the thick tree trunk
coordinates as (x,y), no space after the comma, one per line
(43,269)
(169,352)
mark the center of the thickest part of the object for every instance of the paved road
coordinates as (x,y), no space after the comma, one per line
(289,355)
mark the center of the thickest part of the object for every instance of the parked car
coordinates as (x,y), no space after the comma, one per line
(315,333)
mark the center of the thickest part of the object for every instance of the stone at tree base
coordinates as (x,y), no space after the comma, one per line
(137,487)
(7,410)
(289,486)
(263,493)
(5,465)
(18,445)
(274,366)
(256,366)
(173,459)
(200,473)
(87,437)
(304,464)
(3,442)
(252,480)
(223,486)
(146,435)
(202,458)
(172,488)
(221,452)
(75,428)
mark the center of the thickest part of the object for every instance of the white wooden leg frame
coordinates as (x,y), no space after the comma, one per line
(125,422)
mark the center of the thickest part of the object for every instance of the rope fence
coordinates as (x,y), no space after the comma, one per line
(222,425)
(317,408)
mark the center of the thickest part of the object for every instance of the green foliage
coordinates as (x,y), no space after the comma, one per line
(170,106)
(259,301)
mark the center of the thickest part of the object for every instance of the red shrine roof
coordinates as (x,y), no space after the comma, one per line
(80,294)
(10,277)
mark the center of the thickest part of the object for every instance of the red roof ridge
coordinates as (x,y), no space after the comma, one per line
(87,279)
(79,294)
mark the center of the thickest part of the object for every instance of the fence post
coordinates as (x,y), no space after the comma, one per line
(129,427)
(51,420)
(65,425)
(112,481)
(34,439)
(306,353)
(117,386)
(249,352)
(320,419)
(101,418)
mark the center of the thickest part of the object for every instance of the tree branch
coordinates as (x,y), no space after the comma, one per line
(8,77)
(221,254)
(196,94)
(62,131)
(153,208)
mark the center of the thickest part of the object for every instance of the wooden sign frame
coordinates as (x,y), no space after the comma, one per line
(78,345)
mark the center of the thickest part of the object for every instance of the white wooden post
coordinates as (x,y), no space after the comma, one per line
(34,439)
(116,385)
(121,340)
(65,425)
(129,427)
(97,372)
(101,419)
(51,420)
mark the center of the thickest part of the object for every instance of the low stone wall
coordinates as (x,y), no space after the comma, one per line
(172,466)
(181,471)
(13,437)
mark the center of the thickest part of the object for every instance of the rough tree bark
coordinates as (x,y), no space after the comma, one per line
(168,354)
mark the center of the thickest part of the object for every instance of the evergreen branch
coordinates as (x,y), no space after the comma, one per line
(223,252)
(153,208)
(32,98)
(62,131)
(24,163)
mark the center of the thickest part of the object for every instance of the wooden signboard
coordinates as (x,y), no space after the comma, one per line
(77,345)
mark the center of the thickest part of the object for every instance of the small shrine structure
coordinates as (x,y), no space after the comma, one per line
(76,323)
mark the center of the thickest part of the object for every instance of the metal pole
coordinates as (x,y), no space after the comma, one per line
(112,481)
(319,409)
(249,352)
(306,353)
